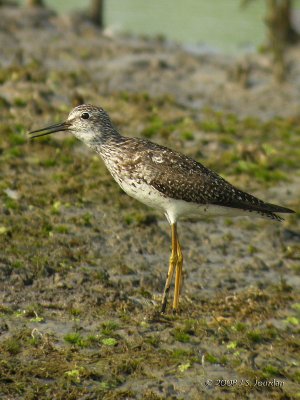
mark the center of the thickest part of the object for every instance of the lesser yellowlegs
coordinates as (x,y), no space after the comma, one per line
(162,178)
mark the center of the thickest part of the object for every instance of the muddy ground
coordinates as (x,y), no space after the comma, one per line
(83,265)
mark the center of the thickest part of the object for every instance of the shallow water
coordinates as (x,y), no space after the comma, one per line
(82,265)
(215,25)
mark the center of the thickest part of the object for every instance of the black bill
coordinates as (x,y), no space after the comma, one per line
(64,126)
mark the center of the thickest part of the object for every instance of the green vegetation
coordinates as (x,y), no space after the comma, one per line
(82,264)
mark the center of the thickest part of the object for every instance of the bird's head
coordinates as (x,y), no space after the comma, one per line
(88,123)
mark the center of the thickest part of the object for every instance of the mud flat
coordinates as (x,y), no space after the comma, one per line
(82,265)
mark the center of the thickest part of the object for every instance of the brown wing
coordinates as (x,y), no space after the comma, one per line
(180,177)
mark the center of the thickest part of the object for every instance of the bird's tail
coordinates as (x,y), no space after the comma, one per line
(278,209)
(271,210)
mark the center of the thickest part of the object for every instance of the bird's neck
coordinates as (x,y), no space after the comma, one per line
(109,132)
(108,136)
(107,141)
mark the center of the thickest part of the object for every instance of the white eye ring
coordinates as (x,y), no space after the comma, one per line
(85,115)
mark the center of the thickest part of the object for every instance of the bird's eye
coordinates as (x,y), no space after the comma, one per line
(85,115)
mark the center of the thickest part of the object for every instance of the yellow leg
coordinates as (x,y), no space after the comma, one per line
(178,278)
(179,261)
(172,265)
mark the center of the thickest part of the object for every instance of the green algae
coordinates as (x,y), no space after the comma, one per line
(80,320)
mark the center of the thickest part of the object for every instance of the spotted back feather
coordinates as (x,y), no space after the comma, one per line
(178,176)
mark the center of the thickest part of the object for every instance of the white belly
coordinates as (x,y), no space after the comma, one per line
(172,208)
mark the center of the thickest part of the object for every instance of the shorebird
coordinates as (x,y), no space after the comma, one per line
(164,179)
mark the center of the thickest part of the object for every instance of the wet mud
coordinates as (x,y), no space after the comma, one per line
(82,265)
